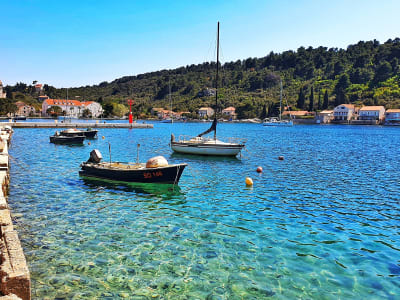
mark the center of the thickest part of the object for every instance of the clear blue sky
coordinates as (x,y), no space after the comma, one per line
(84,42)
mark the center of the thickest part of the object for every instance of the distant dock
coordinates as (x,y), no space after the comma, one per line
(76,125)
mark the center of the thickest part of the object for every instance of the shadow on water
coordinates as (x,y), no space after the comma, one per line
(191,157)
(156,189)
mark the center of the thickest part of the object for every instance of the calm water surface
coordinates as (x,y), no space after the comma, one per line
(321,224)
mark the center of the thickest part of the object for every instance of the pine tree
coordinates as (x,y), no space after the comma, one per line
(319,100)
(326,100)
(311,105)
(264,112)
(301,99)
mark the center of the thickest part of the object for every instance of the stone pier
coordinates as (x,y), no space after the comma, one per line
(15,281)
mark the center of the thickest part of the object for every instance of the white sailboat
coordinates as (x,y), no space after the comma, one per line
(200,145)
(278,121)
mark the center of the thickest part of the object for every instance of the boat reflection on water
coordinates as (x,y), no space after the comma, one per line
(193,157)
(165,191)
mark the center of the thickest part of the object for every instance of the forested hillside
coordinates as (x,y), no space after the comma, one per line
(365,73)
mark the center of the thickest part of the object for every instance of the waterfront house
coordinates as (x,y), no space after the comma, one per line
(343,112)
(205,112)
(73,108)
(371,113)
(229,112)
(24,109)
(325,116)
(297,114)
(392,117)
(2,93)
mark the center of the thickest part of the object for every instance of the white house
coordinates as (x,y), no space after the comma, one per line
(73,108)
(371,113)
(229,112)
(324,116)
(343,112)
(205,111)
(392,116)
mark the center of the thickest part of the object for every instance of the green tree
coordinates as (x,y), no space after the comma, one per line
(301,99)
(383,72)
(54,111)
(264,112)
(311,104)
(108,109)
(319,100)
(120,110)
(325,104)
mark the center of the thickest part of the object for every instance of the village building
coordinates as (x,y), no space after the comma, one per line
(343,112)
(372,113)
(325,116)
(38,87)
(25,109)
(43,97)
(3,94)
(73,108)
(207,92)
(205,112)
(230,112)
(392,117)
(298,114)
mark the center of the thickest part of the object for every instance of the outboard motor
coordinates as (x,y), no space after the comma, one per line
(95,156)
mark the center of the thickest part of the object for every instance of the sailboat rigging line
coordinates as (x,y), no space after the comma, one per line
(214,123)
(177,172)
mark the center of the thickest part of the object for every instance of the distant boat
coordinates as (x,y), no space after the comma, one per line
(167,120)
(132,172)
(88,133)
(278,121)
(200,145)
(19,118)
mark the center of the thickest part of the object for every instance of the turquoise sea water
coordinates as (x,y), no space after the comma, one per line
(321,224)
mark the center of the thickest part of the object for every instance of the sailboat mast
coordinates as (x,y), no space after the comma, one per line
(280,103)
(216,84)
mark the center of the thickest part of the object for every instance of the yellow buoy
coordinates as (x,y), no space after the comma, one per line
(249,181)
(103,137)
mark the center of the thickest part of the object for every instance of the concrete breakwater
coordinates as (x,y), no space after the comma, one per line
(15,280)
(76,125)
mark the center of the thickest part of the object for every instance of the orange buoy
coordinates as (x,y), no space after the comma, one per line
(259,170)
(88,143)
(249,181)
(103,137)
(281,158)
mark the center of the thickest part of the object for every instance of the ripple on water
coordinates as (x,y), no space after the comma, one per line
(323,223)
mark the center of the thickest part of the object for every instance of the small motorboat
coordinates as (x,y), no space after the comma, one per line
(57,138)
(89,133)
(155,170)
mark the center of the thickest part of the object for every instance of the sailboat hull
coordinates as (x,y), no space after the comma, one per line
(207,149)
(278,123)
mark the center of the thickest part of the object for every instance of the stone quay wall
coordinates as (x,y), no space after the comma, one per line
(15,281)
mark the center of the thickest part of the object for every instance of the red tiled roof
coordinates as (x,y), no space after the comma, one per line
(62,102)
(297,113)
(230,108)
(365,108)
